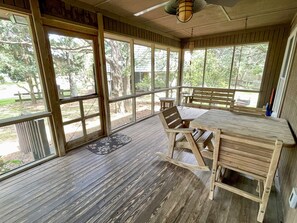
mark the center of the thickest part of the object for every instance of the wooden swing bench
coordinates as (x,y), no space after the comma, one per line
(211,98)
(191,140)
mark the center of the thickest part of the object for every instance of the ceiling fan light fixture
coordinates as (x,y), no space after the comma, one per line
(184,12)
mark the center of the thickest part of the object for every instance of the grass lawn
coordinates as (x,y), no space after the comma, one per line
(7,101)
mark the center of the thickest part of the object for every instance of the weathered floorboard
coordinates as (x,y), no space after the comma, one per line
(129,185)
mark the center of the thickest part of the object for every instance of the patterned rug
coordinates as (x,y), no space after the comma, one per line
(109,144)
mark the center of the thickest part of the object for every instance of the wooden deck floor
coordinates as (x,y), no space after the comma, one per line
(128,185)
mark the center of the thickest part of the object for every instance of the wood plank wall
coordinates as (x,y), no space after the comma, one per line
(62,10)
(276,36)
(288,162)
(22,5)
(122,28)
(66,11)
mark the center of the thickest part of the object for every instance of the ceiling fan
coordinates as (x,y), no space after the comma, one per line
(184,9)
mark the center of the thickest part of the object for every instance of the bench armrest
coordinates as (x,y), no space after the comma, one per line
(180,130)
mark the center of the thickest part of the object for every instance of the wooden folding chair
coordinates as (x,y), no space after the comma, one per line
(182,137)
(253,157)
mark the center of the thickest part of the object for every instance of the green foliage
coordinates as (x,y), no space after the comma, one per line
(145,84)
(7,101)
(160,68)
(160,80)
(2,80)
(17,57)
(4,165)
(71,57)
(173,78)
(173,68)
(248,65)
(218,67)
(117,54)
(142,60)
(193,68)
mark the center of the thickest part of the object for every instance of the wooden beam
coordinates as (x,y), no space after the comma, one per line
(65,24)
(47,68)
(105,98)
(23,118)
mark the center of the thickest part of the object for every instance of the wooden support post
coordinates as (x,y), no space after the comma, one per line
(105,98)
(133,79)
(179,77)
(49,81)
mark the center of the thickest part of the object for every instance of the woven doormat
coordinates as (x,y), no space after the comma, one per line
(109,144)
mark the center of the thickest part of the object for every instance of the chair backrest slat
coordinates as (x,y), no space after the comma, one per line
(169,111)
(170,118)
(252,153)
(173,118)
(245,154)
(259,143)
(254,157)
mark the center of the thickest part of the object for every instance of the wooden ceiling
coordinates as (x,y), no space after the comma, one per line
(212,19)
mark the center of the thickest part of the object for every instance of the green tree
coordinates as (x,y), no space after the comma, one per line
(117,55)
(193,68)
(247,71)
(173,69)
(70,56)
(249,65)
(160,68)
(17,57)
(142,60)
(218,67)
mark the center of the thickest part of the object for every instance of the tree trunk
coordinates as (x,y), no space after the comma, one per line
(126,87)
(31,89)
(73,86)
(72,82)
(37,86)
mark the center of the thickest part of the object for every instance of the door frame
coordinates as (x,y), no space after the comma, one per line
(98,87)
(284,74)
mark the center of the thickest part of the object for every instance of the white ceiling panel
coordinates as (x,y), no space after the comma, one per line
(212,19)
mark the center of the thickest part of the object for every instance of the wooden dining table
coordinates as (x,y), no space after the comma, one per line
(266,128)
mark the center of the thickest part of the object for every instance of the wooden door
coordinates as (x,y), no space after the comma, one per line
(78,84)
(284,75)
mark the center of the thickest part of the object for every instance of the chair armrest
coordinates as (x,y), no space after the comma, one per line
(181,130)
(187,119)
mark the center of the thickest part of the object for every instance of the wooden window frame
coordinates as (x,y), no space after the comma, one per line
(152,92)
(98,90)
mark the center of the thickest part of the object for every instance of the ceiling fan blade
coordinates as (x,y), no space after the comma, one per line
(150,9)
(171,7)
(198,5)
(228,3)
